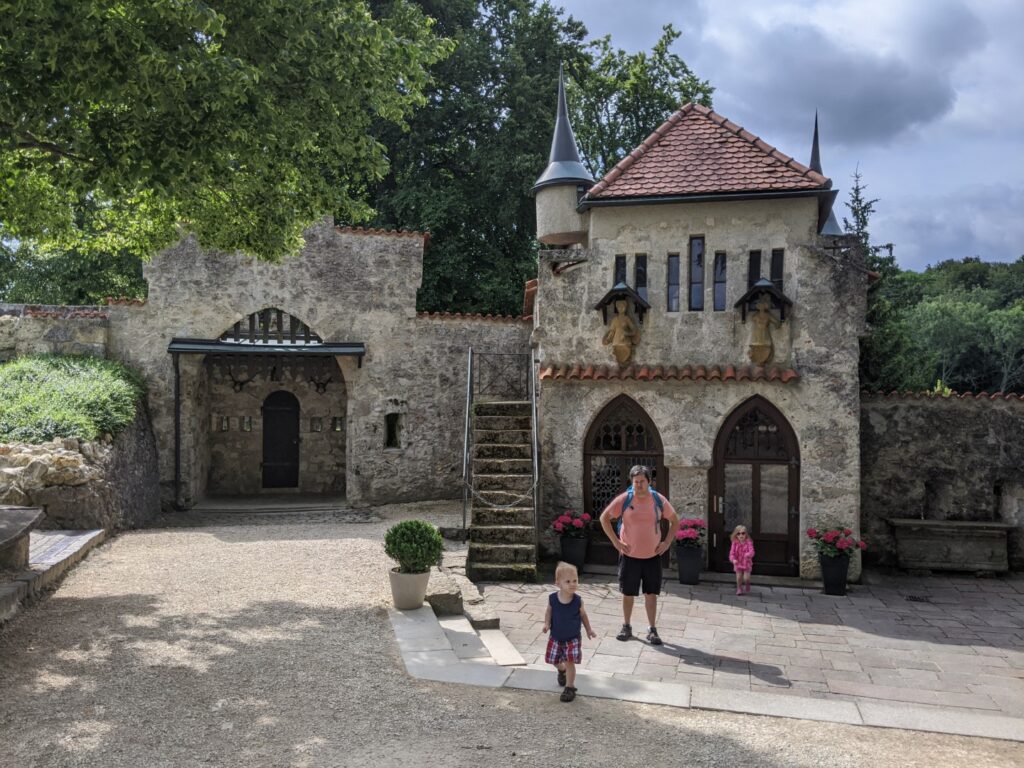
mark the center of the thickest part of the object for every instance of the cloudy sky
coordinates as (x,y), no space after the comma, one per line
(925,96)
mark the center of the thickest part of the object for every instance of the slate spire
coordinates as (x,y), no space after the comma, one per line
(831,226)
(564,166)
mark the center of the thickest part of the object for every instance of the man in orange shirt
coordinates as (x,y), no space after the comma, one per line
(642,539)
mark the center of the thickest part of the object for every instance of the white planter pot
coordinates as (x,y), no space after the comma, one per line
(408,589)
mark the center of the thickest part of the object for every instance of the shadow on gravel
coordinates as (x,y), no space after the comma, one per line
(121,681)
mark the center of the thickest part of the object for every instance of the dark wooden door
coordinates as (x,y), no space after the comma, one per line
(281,440)
(621,436)
(756,483)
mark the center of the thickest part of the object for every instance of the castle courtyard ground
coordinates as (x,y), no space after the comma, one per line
(249,639)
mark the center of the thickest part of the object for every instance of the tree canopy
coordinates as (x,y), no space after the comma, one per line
(246,122)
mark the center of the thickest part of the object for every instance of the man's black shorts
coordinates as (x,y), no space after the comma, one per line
(634,572)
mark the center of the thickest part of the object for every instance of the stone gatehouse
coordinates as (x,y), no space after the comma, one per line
(697,310)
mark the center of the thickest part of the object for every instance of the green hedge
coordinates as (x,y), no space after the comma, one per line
(52,396)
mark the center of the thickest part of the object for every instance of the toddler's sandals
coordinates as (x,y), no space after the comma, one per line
(568,694)
(561,677)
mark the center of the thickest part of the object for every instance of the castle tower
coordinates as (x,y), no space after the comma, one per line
(563,183)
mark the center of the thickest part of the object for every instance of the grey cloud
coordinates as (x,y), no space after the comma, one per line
(979,221)
(791,71)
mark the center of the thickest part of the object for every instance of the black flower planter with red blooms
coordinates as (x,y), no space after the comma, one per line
(689,561)
(833,573)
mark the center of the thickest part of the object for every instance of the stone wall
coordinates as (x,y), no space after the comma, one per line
(108,484)
(347,286)
(52,330)
(941,458)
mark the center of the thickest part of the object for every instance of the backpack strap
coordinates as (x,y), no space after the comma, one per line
(659,505)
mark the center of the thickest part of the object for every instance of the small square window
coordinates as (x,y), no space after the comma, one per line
(225,423)
(247,423)
(338,424)
(316,424)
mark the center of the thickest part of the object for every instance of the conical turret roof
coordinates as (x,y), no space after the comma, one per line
(564,166)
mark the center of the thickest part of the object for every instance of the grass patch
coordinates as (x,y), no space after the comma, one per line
(50,396)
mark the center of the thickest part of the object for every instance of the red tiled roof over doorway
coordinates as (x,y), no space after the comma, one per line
(699,152)
(579,372)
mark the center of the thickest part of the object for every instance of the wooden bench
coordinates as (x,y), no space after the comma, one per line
(15,525)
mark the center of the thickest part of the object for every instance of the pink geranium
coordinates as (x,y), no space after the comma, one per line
(834,541)
(690,532)
(571,524)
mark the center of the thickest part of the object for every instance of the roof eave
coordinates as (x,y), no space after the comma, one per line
(715,197)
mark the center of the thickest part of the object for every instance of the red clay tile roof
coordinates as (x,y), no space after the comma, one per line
(387,232)
(665,373)
(460,316)
(112,300)
(909,395)
(699,152)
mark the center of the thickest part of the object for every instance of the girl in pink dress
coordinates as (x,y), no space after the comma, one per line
(741,555)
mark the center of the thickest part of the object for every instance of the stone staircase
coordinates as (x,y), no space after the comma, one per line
(502,542)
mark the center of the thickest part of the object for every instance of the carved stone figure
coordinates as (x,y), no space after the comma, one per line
(762,322)
(623,334)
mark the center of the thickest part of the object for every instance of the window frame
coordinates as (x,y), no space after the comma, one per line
(777,267)
(753,274)
(638,260)
(673,258)
(619,269)
(690,282)
(720,258)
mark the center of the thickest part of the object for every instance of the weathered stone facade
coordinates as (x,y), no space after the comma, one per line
(941,458)
(81,484)
(818,340)
(348,286)
(52,330)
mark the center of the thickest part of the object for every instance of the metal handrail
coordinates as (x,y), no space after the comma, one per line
(536,447)
(466,437)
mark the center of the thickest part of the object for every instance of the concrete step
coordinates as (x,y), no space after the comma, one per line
(502,534)
(502,437)
(520,483)
(503,466)
(487,516)
(503,451)
(503,498)
(502,422)
(513,408)
(501,553)
(500,572)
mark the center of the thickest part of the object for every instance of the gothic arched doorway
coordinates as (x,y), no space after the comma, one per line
(622,435)
(755,481)
(281,440)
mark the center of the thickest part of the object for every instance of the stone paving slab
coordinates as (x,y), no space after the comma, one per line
(874,645)
(445,665)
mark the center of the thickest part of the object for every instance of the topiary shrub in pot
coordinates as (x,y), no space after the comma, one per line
(416,546)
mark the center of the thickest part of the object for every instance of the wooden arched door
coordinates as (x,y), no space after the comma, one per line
(755,481)
(620,436)
(281,440)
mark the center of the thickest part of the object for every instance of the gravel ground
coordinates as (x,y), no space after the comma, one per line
(264,641)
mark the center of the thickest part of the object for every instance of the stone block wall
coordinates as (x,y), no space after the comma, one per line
(108,484)
(941,458)
(52,330)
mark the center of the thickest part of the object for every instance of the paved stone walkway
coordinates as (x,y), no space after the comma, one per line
(932,642)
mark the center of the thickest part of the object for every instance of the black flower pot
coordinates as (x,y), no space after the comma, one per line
(833,573)
(574,551)
(689,561)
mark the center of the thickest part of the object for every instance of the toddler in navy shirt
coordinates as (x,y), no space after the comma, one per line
(565,617)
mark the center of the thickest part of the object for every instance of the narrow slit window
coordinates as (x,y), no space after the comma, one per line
(754,268)
(393,425)
(719,281)
(672,281)
(640,274)
(696,274)
(778,254)
(620,269)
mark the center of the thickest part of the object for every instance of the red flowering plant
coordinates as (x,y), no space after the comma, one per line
(691,532)
(571,524)
(834,541)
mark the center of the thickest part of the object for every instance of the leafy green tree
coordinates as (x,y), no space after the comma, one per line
(948,335)
(618,98)
(464,168)
(247,121)
(1006,345)
(878,258)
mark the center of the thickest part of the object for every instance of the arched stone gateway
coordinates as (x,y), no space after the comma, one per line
(620,436)
(271,406)
(755,481)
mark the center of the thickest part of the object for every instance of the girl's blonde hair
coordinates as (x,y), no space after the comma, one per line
(737,529)
(564,568)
